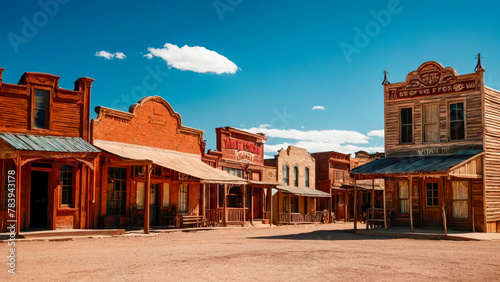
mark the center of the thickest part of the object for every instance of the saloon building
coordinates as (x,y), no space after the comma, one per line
(442,164)
(152,167)
(241,154)
(47,164)
(297,199)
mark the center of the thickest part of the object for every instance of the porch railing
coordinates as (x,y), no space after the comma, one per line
(217,215)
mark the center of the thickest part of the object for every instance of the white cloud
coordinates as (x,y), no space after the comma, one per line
(196,58)
(313,147)
(264,125)
(318,108)
(327,135)
(149,56)
(108,56)
(377,133)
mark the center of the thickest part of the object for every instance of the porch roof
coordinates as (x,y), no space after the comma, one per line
(415,164)
(26,142)
(310,192)
(189,164)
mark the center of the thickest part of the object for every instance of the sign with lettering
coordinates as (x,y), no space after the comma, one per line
(240,145)
(157,120)
(443,89)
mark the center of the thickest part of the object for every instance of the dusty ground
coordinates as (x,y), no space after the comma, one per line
(297,253)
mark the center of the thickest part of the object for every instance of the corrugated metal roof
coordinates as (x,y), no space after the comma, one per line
(189,164)
(406,165)
(25,142)
(303,191)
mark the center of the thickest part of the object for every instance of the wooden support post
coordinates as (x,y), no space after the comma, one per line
(270,205)
(251,205)
(372,214)
(225,205)
(473,219)
(289,208)
(345,194)
(410,189)
(243,199)
(355,205)
(203,195)
(384,207)
(18,192)
(445,228)
(147,198)
(314,204)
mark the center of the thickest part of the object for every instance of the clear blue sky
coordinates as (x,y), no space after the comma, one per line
(289,57)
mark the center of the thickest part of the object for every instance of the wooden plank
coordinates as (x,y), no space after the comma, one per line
(410,182)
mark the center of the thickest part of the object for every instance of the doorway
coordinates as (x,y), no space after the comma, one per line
(39,199)
(153,207)
(433,202)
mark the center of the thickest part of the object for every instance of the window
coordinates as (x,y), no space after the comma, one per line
(286,172)
(403,197)
(166,195)
(460,206)
(66,185)
(183,197)
(40,113)
(457,121)
(234,171)
(140,195)
(406,126)
(285,203)
(296,176)
(307,177)
(117,191)
(432,194)
(431,123)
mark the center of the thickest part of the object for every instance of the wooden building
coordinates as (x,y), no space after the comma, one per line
(442,164)
(151,167)
(46,161)
(240,153)
(333,176)
(297,199)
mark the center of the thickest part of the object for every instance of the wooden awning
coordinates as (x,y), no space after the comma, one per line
(309,192)
(185,163)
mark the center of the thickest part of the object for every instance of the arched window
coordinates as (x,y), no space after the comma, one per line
(307,177)
(286,171)
(296,176)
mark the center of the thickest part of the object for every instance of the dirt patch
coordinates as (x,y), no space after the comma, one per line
(297,253)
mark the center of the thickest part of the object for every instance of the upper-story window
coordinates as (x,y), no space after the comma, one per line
(307,177)
(296,176)
(431,123)
(286,171)
(457,121)
(41,109)
(406,125)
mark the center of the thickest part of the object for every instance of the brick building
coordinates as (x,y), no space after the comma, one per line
(151,166)
(297,197)
(46,162)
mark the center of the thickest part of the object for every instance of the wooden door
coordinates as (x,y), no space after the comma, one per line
(153,207)
(39,199)
(433,202)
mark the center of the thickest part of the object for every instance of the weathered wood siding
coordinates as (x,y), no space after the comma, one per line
(492,154)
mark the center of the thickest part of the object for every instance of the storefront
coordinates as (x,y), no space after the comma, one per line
(441,164)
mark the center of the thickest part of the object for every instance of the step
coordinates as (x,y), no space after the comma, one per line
(70,233)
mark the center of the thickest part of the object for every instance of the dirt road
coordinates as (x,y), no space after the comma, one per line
(297,253)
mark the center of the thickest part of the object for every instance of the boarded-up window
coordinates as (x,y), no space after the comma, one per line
(403,197)
(285,204)
(406,125)
(457,121)
(431,123)
(166,195)
(460,198)
(140,195)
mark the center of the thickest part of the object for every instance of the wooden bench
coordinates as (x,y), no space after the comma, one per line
(376,215)
(185,220)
